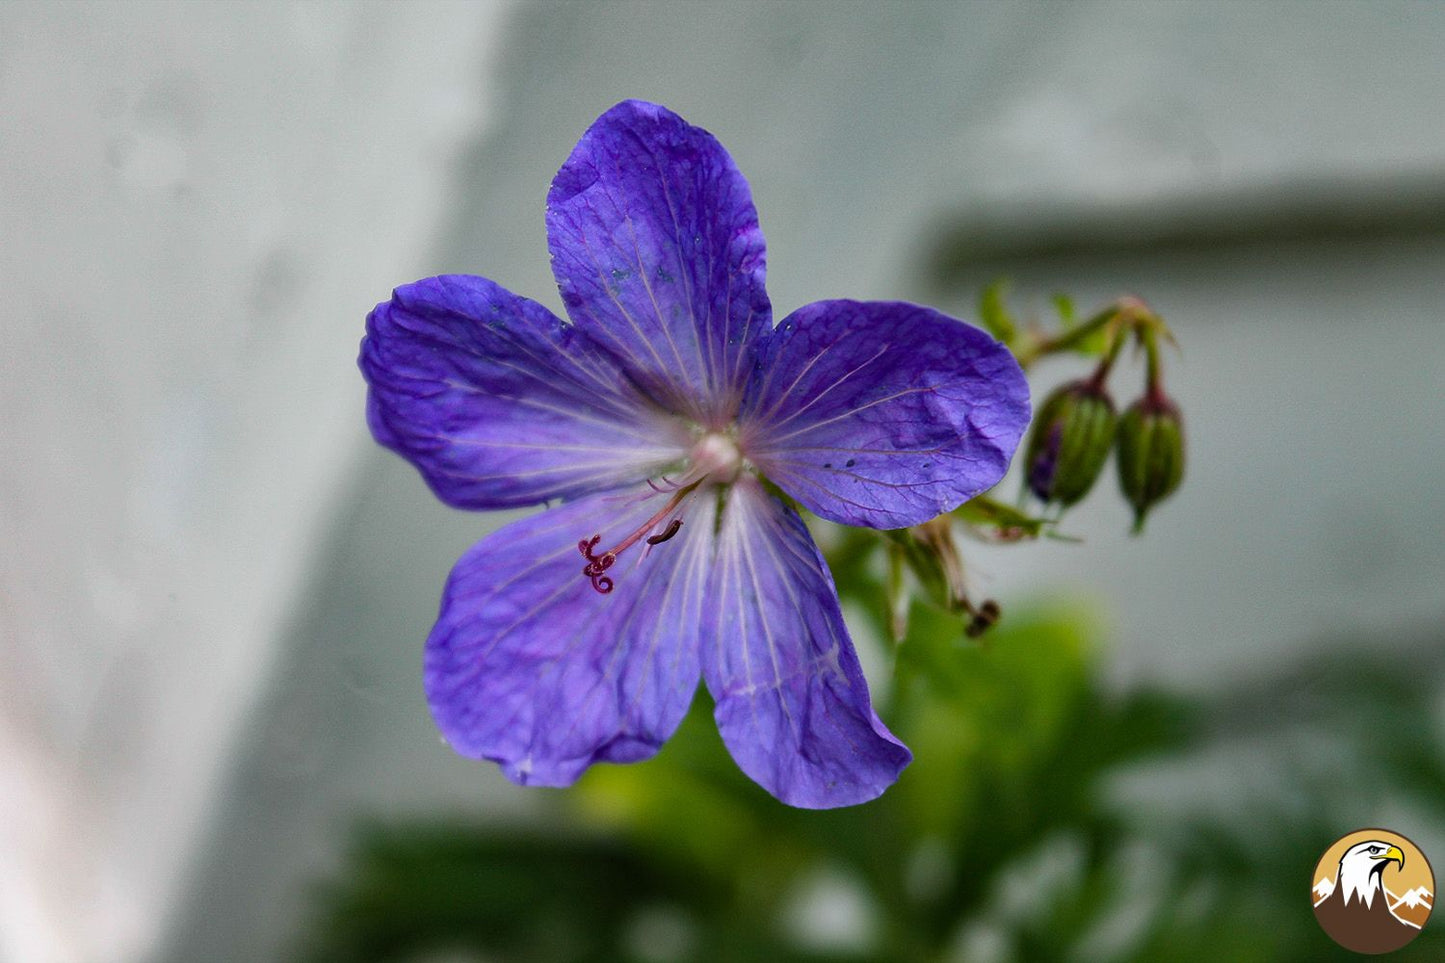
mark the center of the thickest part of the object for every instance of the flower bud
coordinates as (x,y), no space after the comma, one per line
(1070,442)
(1150,453)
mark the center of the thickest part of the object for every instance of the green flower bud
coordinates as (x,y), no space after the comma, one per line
(1150,453)
(1069,442)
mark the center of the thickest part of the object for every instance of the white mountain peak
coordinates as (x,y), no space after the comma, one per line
(1414,898)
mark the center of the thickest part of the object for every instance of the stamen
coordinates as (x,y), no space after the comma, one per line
(670,531)
(598,564)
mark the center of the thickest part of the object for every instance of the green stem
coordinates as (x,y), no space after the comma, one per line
(987,510)
(1154,384)
(1116,342)
(1027,354)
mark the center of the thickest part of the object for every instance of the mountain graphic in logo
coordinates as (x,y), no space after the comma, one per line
(1414,907)
(1373,891)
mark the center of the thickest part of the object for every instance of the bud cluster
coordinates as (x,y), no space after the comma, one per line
(1074,431)
(1076,427)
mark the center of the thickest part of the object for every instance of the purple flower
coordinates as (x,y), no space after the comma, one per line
(665,418)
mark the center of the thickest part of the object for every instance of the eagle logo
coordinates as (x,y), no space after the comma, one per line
(1373,891)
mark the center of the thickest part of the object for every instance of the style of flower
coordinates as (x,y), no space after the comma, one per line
(665,419)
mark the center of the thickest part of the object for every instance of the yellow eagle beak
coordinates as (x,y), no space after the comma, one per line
(1394,853)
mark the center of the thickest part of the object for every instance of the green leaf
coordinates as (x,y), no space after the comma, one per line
(1064,305)
(993,313)
(1009,524)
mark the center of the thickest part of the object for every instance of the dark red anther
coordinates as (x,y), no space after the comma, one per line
(667,533)
(601,583)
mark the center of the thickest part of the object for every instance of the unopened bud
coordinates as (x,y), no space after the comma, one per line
(1151,453)
(1070,442)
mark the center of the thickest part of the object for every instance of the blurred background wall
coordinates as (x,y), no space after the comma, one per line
(214,588)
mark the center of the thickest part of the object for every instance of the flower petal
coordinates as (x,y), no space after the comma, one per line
(499,404)
(883,414)
(656,249)
(792,703)
(530,667)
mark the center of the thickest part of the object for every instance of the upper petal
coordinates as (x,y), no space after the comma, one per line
(657,252)
(792,703)
(528,666)
(882,414)
(499,404)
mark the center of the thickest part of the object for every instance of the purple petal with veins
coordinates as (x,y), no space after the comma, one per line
(499,404)
(792,703)
(531,668)
(882,414)
(657,252)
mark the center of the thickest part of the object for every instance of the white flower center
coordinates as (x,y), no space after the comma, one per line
(717,457)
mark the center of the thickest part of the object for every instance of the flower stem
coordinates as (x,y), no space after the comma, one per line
(1154,378)
(1030,352)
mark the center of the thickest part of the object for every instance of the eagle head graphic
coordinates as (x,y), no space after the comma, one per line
(1356,913)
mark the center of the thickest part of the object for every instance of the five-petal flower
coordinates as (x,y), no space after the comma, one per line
(661,418)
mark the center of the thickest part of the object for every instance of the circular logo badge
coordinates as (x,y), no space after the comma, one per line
(1373,891)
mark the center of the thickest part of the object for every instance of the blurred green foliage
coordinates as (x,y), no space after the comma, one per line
(1033,825)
